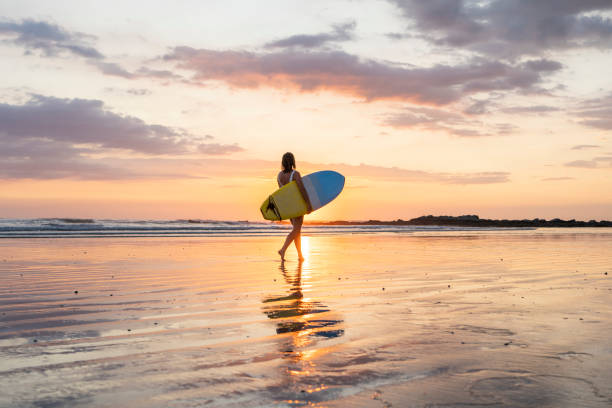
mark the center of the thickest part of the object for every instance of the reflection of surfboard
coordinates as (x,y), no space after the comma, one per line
(287,202)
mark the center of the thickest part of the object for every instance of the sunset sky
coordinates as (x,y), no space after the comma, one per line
(171,110)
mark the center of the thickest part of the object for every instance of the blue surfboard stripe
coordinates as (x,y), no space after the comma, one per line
(327,184)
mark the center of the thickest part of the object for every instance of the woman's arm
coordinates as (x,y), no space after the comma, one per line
(298,180)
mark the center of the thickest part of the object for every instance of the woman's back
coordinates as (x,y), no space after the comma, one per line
(286,177)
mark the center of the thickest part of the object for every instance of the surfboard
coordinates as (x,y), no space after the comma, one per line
(287,202)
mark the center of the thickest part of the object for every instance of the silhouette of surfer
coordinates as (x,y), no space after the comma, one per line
(287,175)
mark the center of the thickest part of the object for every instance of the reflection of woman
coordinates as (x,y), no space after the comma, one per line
(287,175)
(301,324)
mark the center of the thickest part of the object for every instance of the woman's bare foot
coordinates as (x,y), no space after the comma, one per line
(282,254)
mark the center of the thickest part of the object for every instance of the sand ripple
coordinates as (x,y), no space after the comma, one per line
(517,319)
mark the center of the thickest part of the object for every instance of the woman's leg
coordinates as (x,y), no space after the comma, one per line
(297,239)
(293,235)
(288,240)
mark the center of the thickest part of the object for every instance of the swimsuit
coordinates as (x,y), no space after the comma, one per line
(290,178)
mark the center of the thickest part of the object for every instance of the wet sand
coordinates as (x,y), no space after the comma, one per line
(442,319)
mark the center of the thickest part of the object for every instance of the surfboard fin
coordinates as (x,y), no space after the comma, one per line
(272,206)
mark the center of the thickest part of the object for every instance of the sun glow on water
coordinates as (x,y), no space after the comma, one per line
(305,246)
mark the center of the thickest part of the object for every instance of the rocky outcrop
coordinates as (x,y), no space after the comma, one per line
(476,221)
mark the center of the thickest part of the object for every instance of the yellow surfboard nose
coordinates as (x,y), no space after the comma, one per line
(269,210)
(286,202)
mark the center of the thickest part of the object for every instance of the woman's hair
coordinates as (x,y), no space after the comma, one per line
(288,162)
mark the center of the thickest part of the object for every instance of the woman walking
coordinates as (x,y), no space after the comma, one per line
(287,175)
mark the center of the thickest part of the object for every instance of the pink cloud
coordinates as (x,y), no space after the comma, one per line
(343,73)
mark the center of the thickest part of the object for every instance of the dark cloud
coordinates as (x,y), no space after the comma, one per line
(85,121)
(344,73)
(50,138)
(453,123)
(510,28)
(585,146)
(48,38)
(341,32)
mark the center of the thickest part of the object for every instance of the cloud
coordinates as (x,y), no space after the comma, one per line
(530,109)
(341,32)
(585,146)
(86,121)
(52,159)
(31,158)
(557,178)
(477,108)
(406,175)
(55,41)
(422,116)
(216,149)
(597,112)
(50,39)
(398,36)
(145,72)
(139,92)
(433,119)
(340,72)
(114,69)
(267,169)
(594,163)
(510,28)
(129,91)
(585,164)
(49,137)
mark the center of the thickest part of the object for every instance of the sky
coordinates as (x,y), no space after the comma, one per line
(175,110)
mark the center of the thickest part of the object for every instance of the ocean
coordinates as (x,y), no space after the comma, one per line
(89,227)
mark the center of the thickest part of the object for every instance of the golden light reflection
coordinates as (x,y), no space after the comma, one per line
(316,389)
(301,324)
(305,246)
(299,372)
(309,354)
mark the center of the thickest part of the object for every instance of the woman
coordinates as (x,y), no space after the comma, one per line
(287,175)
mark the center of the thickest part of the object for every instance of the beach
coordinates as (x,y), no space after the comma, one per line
(420,318)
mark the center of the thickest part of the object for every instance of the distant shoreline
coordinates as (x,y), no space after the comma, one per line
(475,221)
